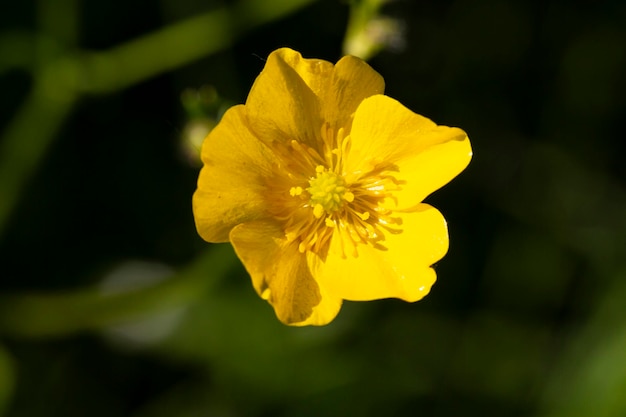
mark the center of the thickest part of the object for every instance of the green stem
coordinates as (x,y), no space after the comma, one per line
(60,82)
(44,315)
(27,138)
(357,41)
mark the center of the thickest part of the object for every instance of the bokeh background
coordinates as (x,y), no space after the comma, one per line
(111,305)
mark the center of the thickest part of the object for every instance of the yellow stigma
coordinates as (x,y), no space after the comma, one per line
(328,192)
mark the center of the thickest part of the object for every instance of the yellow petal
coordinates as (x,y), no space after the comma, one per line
(387,134)
(403,271)
(232,182)
(352,81)
(293,96)
(280,275)
(281,105)
(339,88)
(315,73)
(432,168)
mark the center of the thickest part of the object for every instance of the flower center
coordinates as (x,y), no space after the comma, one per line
(351,208)
(328,192)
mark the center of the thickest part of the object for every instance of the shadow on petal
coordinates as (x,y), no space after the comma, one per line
(280,274)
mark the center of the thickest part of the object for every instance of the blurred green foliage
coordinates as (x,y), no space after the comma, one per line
(111,305)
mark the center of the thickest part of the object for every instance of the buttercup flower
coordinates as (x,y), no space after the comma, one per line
(318,182)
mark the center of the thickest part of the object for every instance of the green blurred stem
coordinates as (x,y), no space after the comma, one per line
(46,315)
(61,81)
(178,44)
(59,19)
(156,53)
(16,50)
(28,136)
(357,41)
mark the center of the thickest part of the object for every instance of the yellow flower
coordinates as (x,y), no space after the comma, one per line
(318,182)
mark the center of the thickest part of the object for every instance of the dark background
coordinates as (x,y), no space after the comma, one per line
(111,305)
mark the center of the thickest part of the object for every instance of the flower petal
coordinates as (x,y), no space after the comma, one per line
(293,96)
(387,134)
(352,81)
(282,105)
(232,182)
(432,168)
(403,271)
(316,73)
(280,275)
(340,87)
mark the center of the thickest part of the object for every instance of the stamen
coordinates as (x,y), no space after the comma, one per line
(326,203)
(294,191)
(318,211)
